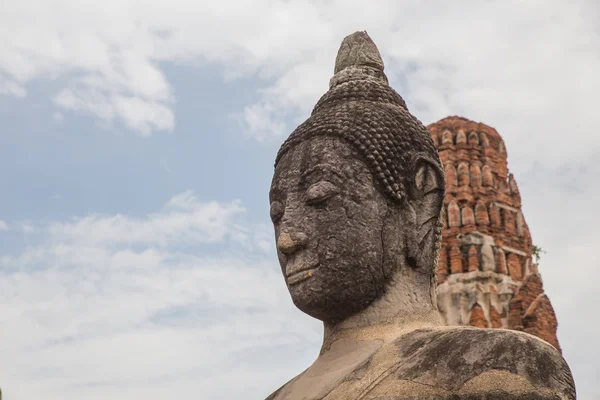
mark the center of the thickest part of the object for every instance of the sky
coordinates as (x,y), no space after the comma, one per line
(137,142)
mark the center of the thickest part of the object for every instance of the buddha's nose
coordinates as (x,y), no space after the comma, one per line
(287,243)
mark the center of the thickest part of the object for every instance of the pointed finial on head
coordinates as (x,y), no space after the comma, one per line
(358,58)
(358,49)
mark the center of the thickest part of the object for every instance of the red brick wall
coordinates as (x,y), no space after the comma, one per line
(481,195)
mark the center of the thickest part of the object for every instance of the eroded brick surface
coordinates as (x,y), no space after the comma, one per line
(497,284)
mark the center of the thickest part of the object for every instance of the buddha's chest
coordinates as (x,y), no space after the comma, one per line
(393,388)
(382,377)
(360,384)
(319,382)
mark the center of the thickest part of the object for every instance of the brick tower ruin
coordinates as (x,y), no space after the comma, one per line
(486,274)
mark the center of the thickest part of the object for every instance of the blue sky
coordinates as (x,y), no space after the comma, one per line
(136,153)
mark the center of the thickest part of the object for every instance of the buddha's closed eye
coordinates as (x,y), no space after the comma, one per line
(317,193)
(321,192)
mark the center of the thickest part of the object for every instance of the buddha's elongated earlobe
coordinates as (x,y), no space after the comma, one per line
(426,196)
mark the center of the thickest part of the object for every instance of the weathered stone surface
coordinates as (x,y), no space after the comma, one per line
(453,364)
(358,50)
(449,358)
(322,191)
(357,204)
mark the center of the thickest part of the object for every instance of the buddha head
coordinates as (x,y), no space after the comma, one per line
(357,193)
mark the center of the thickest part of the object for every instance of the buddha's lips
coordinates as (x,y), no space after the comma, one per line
(300,274)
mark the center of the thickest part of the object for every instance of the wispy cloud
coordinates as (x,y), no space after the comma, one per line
(183,219)
(27,227)
(105,303)
(3,226)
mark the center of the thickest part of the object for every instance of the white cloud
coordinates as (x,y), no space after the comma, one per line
(27,227)
(12,88)
(115,306)
(529,71)
(144,116)
(182,220)
(93,102)
(3,226)
(260,122)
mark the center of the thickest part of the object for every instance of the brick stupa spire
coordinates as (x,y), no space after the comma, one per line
(486,274)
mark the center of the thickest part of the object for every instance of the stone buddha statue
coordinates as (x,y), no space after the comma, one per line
(356,200)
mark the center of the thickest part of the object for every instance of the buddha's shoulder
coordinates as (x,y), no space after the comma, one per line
(465,359)
(457,363)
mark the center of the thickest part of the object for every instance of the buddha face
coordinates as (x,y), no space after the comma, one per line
(329,219)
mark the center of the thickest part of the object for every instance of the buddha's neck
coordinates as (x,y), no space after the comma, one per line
(406,305)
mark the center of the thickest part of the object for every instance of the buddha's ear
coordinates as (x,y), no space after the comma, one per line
(424,205)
